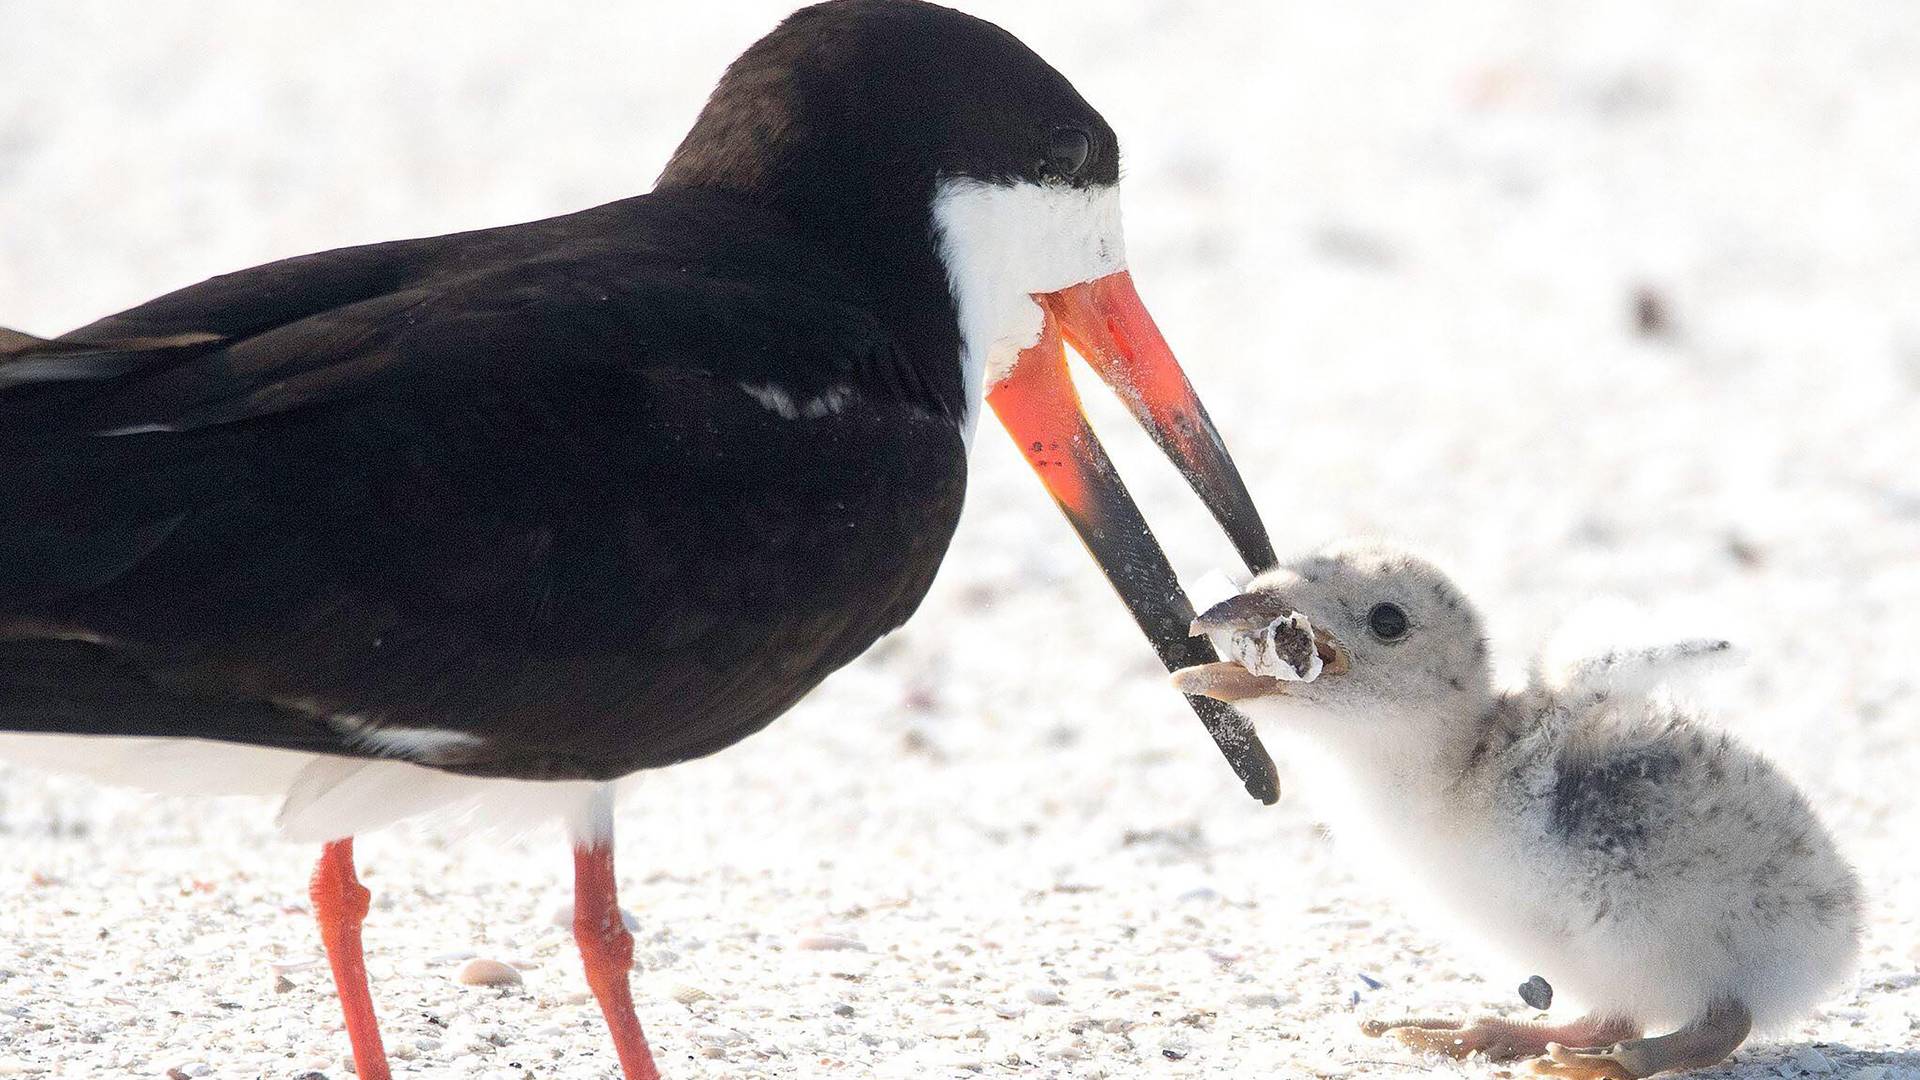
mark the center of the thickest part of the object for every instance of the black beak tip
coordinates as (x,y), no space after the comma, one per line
(1264,783)
(1235,736)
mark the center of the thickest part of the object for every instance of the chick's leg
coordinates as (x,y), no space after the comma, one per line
(1496,1038)
(1706,1041)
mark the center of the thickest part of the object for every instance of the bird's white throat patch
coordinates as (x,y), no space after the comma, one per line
(1001,244)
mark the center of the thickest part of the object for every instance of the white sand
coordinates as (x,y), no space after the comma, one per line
(1405,242)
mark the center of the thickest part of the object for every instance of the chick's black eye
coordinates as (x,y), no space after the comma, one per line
(1068,150)
(1388,621)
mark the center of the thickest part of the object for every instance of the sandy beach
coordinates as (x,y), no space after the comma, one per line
(1588,299)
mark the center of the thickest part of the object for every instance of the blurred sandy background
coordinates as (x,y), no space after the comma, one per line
(1590,298)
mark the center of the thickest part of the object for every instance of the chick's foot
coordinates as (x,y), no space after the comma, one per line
(1706,1041)
(1495,1038)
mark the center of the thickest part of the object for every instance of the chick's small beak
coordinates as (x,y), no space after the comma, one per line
(1224,680)
(1036,402)
(1334,658)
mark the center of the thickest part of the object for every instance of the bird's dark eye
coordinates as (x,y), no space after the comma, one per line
(1388,621)
(1068,150)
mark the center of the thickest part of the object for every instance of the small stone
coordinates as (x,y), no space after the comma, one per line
(843,1010)
(481,971)
(1745,552)
(1652,312)
(1174,1051)
(483,1038)
(829,943)
(1044,995)
(1811,1061)
(715,1035)
(1537,993)
(282,984)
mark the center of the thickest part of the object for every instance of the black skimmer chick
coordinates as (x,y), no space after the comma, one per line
(509,514)
(1584,826)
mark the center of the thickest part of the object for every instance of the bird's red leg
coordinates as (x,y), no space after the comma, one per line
(606,948)
(340,903)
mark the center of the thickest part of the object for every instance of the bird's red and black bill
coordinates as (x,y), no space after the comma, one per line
(1110,327)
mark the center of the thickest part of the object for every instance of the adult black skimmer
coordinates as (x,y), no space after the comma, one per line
(510,514)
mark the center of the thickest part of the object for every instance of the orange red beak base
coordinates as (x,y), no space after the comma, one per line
(1110,327)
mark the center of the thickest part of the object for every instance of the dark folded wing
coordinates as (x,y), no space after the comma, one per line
(525,498)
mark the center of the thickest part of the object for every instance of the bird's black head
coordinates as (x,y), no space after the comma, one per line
(867,102)
(938,160)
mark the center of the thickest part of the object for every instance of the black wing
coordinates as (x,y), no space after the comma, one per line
(524,485)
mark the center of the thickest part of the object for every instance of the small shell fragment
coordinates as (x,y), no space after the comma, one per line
(829,943)
(687,994)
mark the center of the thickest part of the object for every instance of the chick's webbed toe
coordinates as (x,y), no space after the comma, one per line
(1496,1038)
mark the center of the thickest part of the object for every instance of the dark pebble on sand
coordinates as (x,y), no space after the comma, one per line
(1536,993)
